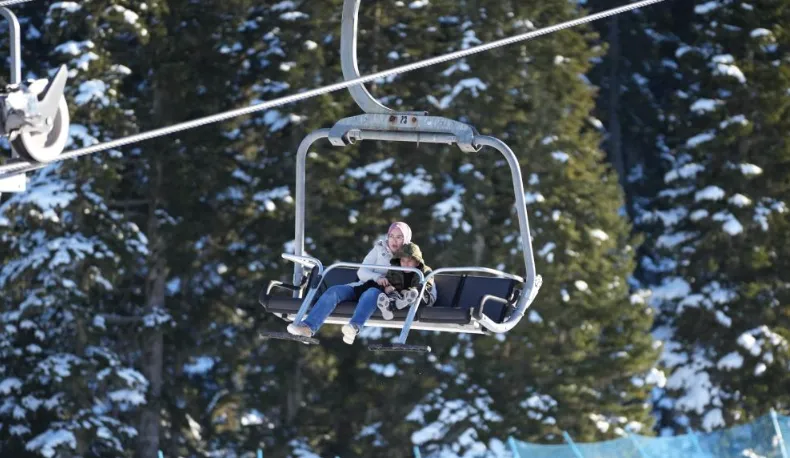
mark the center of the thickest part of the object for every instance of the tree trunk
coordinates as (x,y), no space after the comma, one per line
(479,247)
(294,395)
(152,344)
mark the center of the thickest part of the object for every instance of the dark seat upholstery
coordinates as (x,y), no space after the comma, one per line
(458,298)
(475,287)
(443,310)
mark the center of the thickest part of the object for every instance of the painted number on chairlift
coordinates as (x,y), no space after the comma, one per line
(404,119)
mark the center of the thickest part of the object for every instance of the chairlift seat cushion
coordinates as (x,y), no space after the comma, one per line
(459,297)
(289,306)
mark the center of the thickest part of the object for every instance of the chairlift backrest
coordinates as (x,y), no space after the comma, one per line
(340,277)
(475,287)
(462,291)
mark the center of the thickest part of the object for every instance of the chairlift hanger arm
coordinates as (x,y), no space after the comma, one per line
(348,59)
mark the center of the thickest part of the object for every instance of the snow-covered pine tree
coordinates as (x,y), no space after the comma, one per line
(582,360)
(723,301)
(67,386)
(316,398)
(638,78)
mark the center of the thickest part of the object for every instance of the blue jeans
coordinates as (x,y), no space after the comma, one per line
(336,294)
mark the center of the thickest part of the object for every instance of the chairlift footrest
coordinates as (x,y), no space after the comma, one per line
(400,347)
(288,336)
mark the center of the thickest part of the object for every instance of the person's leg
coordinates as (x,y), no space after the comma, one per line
(365,308)
(408,297)
(322,309)
(384,303)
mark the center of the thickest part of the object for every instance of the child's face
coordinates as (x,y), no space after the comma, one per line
(408,261)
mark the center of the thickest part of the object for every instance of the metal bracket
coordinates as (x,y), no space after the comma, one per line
(34,115)
(404,127)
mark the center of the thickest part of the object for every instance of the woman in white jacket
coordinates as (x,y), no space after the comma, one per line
(398,234)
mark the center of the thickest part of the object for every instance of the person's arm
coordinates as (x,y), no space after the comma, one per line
(366,273)
(430,293)
(429,296)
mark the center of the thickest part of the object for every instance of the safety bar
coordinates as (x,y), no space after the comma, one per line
(311,293)
(307,261)
(443,270)
(303,260)
(485,270)
(486,298)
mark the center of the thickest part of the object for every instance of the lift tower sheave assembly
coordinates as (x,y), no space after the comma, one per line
(34,116)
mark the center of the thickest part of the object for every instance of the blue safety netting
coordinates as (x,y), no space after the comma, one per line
(762,438)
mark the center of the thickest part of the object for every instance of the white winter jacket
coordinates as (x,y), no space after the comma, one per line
(379,255)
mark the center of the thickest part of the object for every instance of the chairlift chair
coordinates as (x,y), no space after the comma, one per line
(474,300)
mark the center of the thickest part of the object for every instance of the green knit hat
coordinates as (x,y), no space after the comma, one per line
(411,250)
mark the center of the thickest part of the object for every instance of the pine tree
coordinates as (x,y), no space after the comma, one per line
(199,201)
(581,360)
(175,308)
(68,387)
(723,303)
(323,397)
(638,77)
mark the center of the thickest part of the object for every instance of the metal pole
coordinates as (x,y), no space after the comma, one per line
(301,159)
(513,447)
(575,449)
(779,433)
(417,452)
(696,442)
(638,447)
(530,285)
(14,183)
(16,59)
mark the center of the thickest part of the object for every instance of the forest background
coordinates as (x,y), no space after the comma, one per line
(654,152)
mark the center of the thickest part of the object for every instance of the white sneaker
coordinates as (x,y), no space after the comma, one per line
(350,332)
(300,329)
(383,302)
(409,297)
